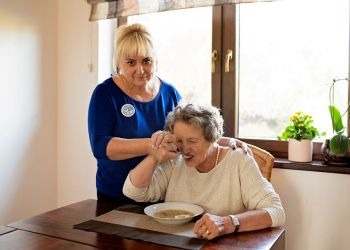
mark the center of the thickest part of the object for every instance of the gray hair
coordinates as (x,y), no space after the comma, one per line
(207,118)
(132,40)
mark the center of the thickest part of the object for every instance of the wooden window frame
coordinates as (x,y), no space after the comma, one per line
(225,84)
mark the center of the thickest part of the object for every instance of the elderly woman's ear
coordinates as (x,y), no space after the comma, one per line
(234,144)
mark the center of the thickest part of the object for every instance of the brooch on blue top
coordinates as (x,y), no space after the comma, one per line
(128,110)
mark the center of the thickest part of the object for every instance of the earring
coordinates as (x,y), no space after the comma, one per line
(119,72)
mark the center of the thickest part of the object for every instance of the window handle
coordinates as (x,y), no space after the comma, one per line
(228,58)
(214,57)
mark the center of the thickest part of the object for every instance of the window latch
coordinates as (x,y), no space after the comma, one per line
(228,58)
(214,57)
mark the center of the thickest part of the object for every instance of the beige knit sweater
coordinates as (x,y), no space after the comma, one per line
(233,186)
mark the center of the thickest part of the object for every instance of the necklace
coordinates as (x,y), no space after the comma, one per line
(205,168)
(217,157)
(137,96)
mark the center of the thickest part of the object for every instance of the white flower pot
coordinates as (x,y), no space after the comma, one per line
(300,151)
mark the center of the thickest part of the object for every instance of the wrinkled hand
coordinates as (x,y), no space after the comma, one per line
(164,139)
(161,154)
(164,146)
(209,226)
(234,144)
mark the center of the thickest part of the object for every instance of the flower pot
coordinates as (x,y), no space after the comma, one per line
(300,151)
(331,158)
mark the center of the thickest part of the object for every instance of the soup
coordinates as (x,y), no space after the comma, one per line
(173,214)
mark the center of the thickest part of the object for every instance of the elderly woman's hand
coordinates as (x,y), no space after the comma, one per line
(164,146)
(210,226)
(164,139)
(161,154)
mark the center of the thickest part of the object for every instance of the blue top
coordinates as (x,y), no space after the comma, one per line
(112,113)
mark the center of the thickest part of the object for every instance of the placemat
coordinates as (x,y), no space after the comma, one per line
(129,221)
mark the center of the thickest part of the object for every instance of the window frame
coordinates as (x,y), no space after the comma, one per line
(228,88)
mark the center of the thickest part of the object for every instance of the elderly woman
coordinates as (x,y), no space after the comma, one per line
(226,183)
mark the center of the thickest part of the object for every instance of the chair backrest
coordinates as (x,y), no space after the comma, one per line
(264,159)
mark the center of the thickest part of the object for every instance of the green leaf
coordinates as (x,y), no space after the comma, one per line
(339,145)
(336,119)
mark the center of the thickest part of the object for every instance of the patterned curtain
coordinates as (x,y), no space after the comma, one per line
(104,9)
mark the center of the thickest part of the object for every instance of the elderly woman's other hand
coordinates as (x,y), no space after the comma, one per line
(211,226)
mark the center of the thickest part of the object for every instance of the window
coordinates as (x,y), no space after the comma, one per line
(106,30)
(289,52)
(284,57)
(184,59)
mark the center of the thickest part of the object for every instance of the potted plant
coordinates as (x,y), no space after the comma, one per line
(335,150)
(300,134)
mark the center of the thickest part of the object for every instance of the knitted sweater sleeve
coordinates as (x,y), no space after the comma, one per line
(258,193)
(156,190)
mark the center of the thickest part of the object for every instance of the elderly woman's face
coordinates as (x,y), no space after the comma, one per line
(192,144)
(137,70)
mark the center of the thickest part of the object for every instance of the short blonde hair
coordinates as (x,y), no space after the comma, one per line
(205,117)
(132,40)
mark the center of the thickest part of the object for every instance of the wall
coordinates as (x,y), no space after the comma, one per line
(317,209)
(77,49)
(28,70)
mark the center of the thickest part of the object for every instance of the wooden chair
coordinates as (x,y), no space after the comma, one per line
(264,159)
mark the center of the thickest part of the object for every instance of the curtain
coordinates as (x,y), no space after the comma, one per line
(104,9)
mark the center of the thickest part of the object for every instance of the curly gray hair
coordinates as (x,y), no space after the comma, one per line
(205,117)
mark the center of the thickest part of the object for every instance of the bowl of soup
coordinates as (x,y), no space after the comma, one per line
(173,213)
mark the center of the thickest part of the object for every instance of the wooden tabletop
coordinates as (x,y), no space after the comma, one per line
(59,223)
(5,230)
(20,239)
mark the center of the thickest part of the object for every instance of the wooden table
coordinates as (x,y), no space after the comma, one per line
(54,229)
(19,239)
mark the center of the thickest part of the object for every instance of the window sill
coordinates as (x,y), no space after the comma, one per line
(316,166)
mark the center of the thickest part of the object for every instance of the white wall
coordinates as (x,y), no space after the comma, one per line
(28,70)
(317,207)
(77,49)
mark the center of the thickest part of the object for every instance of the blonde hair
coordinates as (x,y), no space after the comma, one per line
(132,40)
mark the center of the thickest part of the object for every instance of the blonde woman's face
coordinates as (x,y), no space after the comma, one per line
(137,70)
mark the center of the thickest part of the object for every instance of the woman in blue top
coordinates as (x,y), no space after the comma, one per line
(126,109)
